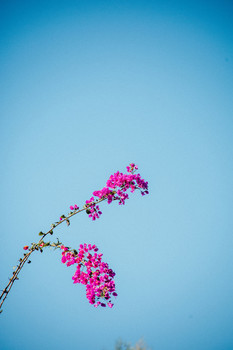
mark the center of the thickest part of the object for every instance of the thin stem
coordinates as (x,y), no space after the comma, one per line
(14,278)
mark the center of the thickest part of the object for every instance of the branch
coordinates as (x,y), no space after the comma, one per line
(36,246)
(115,189)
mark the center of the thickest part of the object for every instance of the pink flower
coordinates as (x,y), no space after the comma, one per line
(92,272)
(71,207)
(63,259)
(116,188)
(25,247)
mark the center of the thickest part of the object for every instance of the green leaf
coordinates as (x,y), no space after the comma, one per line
(41,233)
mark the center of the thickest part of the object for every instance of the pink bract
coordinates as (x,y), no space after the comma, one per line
(92,272)
(115,190)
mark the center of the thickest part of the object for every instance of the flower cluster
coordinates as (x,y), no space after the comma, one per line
(92,272)
(115,189)
(93,210)
(131,168)
(74,207)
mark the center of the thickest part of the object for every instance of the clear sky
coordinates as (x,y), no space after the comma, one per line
(86,88)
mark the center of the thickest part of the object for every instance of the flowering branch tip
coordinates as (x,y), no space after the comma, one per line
(90,269)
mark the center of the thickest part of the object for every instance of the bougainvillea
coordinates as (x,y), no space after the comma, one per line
(91,271)
(116,188)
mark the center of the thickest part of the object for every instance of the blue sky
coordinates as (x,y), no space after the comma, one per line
(88,87)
